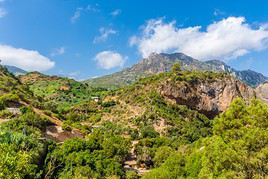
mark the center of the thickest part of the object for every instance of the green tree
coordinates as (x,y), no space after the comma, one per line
(176,68)
(162,153)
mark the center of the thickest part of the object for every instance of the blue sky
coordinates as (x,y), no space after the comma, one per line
(83,39)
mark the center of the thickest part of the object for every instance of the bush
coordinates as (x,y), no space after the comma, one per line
(131,175)
(148,132)
(108,104)
(2,105)
(5,114)
(176,68)
(66,126)
(162,153)
(95,118)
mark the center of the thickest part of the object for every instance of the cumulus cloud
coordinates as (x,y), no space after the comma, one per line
(29,60)
(229,38)
(3,12)
(109,59)
(58,51)
(116,12)
(104,34)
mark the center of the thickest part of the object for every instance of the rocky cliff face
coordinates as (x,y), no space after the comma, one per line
(209,97)
(262,92)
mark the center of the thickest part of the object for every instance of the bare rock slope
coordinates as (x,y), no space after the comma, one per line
(262,92)
(209,97)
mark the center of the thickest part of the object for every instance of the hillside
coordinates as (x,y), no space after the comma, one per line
(25,129)
(166,112)
(133,89)
(58,93)
(11,88)
(157,63)
(206,92)
(137,131)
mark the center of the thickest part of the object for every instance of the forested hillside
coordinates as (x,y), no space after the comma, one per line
(177,124)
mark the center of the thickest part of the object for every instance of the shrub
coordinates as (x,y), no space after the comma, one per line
(108,104)
(162,153)
(148,132)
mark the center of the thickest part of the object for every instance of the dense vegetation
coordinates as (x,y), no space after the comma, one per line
(238,147)
(11,90)
(100,155)
(135,124)
(58,94)
(22,149)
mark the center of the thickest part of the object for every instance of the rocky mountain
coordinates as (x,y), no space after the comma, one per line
(15,70)
(157,63)
(209,96)
(262,92)
(250,77)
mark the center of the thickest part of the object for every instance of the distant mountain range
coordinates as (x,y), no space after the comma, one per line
(157,63)
(15,70)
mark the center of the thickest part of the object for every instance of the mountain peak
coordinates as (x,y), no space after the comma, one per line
(175,55)
(162,62)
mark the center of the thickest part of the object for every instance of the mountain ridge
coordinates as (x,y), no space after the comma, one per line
(157,63)
(15,70)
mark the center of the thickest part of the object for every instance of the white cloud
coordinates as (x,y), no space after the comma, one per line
(109,59)
(29,60)
(104,34)
(58,51)
(3,12)
(92,8)
(116,12)
(79,10)
(218,12)
(76,15)
(229,38)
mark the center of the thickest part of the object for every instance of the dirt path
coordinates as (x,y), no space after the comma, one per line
(131,162)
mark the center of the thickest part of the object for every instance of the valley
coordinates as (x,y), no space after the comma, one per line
(112,89)
(169,116)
